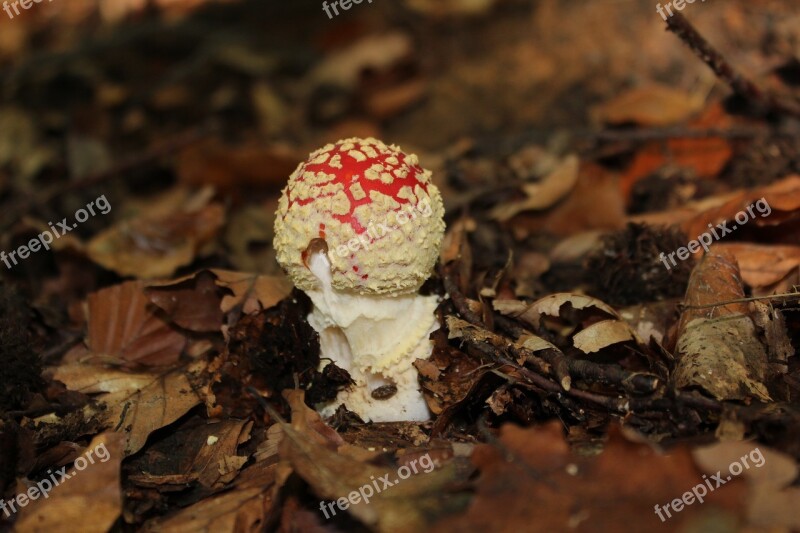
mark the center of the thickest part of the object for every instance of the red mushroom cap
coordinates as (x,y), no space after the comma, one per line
(377,210)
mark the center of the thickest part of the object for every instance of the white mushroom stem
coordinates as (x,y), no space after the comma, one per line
(376,339)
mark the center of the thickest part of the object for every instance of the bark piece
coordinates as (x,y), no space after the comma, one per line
(718,349)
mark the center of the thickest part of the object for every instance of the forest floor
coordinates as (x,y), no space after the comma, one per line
(618,280)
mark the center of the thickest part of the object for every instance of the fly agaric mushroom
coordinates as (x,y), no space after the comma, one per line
(358,228)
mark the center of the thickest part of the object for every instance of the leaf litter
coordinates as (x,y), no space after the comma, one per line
(576,382)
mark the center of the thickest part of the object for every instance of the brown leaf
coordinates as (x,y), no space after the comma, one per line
(375,53)
(252,291)
(763,265)
(92,499)
(538,485)
(444,8)
(773,503)
(389,102)
(408,505)
(544,193)
(782,197)
(122,326)
(551,306)
(136,404)
(192,304)
(241,509)
(594,203)
(602,334)
(649,105)
(208,455)
(248,237)
(155,244)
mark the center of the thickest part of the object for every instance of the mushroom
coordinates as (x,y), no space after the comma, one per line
(358,229)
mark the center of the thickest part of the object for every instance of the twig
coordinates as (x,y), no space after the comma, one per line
(740,300)
(492,346)
(636,382)
(459,300)
(680,26)
(556,358)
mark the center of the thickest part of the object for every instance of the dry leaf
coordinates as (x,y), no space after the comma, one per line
(408,505)
(208,455)
(136,404)
(602,334)
(551,306)
(242,509)
(155,245)
(529,481)
(191,304)
(375,52)
(122,326)
(763,265)
(783,198)
(252,291)
(649,105)
(594,203)
(772,503)
(91,501)
(545,193)
(443,8)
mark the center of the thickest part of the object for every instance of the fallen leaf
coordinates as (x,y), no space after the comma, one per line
(408,505)
(243,508)
(594,203)
(388,102)
(208,455)
(539,485)
(763,265)
(192,304)
(545,193)
(649,105)
(251,291)
(154,245)
(703,157)
(773,502)
(374,52)
(444,8)
(95,492)
(782,197)
(135,404)
(602,334)
(123,326)
(551,306)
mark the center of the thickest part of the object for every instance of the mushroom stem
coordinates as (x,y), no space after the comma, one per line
(376,339)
